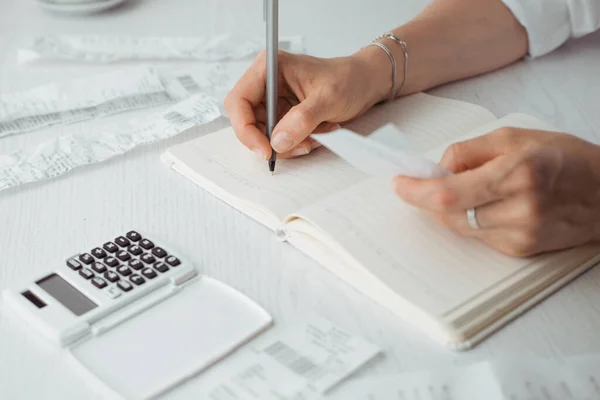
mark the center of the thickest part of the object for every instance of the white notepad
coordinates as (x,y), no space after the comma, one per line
(455,289)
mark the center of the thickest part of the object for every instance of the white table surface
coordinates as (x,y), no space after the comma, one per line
(42,223)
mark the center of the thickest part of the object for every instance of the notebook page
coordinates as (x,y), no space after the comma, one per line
(431,267)
(427,121)
(511,120)
(221,159)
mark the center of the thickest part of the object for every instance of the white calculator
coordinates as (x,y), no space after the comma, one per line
(136,315)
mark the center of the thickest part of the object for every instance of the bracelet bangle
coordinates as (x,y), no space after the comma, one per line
(402,43)
(392,61)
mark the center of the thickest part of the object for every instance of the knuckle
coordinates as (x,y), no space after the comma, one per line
(302,116)
(528,175)
(444,199)
(532,211)
(524,244)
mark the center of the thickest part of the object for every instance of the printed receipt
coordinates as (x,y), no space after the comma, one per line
(56,157)
(576,378)
(102,95)
(108,49)
(304,362)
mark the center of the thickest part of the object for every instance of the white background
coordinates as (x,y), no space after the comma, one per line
(43,223)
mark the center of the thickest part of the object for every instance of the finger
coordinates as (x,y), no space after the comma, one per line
(461,191)
(522,211)
(309,144)
(475,152)
(284,105)
(298,124)
(241,102)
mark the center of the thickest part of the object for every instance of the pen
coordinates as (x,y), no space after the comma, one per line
(272,17)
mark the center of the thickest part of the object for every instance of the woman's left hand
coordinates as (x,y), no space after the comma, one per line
(533,191)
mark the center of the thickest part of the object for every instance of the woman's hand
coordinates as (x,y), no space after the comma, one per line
(533,191)
(315,95)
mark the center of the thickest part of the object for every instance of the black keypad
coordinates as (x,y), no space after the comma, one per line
(124,270)
(136,264)
(99,267)
(138,280)
(124,286)
(74,264)
(149,273)
(123,255)
(131,256)
(111,276)
(110,247)
(86,273)
(148,258)
(146,244)
(159,252)
(99,282)
(133,236)
(98,253)
(161,267)
(135,250)
(173,261)
(122,241)
(86,258)
(111,261)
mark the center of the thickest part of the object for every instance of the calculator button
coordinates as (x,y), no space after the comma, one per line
(148,258)
(123,255)
(99,267)
(133,236)
(135,250)
(86,273)
(149,273)
(136,264)
(173,261)
(124,286)
(86,258)
(161,267)
(74,264)
(122,241)
(111,276)
(124,270)
(98,253)
(110,247)
(146,244)
(159,252)
(138,280)
(111,261)
(113,292)
(99,282)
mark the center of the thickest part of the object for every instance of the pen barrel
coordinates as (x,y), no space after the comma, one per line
(272,11)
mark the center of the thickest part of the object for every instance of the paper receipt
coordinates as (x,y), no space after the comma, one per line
(304,362)
(108,49)
(58,156)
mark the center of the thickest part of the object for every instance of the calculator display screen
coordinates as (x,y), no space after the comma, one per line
(66,294)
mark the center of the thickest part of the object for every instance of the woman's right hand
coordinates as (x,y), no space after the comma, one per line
(315,96)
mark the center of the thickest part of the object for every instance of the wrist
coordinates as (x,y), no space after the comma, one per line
(377,71)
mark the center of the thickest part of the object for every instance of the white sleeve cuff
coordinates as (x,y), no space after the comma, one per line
(547,23)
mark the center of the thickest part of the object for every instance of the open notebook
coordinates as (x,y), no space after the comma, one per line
(456,290)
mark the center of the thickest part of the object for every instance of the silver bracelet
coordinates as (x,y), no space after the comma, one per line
(402,43)
(392,60)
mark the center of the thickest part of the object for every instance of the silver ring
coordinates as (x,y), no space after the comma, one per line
(472,218)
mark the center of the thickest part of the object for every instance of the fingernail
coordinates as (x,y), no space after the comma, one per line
(335,126)
(260,154)
(282,142)
(300,151)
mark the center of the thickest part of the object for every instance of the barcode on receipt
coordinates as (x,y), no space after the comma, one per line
(188,83)
(175,118)
(290,358)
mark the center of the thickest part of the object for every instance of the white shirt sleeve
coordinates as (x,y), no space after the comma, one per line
(550,23)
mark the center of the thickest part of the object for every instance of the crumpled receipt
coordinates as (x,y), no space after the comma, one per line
(108,49)
(102,95)
(58,156)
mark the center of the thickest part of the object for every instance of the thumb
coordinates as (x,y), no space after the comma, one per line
(297,124)
(470,154)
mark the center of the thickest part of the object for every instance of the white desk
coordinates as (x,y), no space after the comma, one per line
(53,219)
